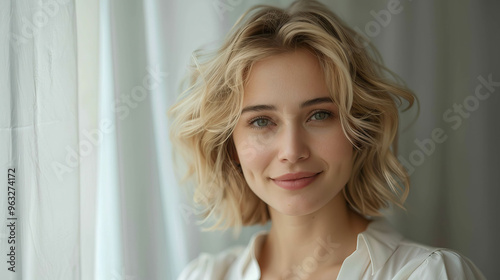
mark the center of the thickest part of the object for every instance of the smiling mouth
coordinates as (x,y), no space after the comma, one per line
(295,181)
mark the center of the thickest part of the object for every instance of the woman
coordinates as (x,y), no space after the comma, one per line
(294,122)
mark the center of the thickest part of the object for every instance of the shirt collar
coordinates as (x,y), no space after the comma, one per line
(247,267)
(379,239)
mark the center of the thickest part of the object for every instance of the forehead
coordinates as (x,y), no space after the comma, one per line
(293,75)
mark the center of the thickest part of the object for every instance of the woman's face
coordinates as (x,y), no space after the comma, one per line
(289,140)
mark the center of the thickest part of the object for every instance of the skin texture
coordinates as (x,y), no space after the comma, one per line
(287,135)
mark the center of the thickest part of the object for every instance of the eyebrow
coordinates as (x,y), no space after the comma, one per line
(258,108)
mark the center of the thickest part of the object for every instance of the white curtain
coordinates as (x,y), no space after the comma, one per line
(39,152)
(135,181)
(130,214)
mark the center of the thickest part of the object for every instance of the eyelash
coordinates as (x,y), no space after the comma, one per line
(253,120)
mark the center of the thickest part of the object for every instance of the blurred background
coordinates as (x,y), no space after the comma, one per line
(102,86)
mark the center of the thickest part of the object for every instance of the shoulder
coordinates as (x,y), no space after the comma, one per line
(211,266)
(395,257)
(425,262)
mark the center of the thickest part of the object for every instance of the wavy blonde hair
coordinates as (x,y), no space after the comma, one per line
(366,92)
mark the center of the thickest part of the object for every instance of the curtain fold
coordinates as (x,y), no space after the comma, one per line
(131,232)
(109,260)
(39,151)
(176,243)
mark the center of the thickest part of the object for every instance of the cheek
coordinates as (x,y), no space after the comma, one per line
(335,148)
(253,149)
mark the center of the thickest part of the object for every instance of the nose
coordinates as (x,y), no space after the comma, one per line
(293,144)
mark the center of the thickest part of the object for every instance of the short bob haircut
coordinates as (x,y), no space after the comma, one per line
(366,93)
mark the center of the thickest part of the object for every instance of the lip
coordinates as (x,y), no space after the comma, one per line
(295,181)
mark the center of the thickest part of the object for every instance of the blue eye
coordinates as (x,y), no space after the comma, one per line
(320,116)
(259,123)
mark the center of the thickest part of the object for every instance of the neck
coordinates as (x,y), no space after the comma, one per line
(323,238)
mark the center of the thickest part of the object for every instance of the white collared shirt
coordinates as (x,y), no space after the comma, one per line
(381,253)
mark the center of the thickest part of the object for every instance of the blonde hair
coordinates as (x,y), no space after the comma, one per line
(207,112)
